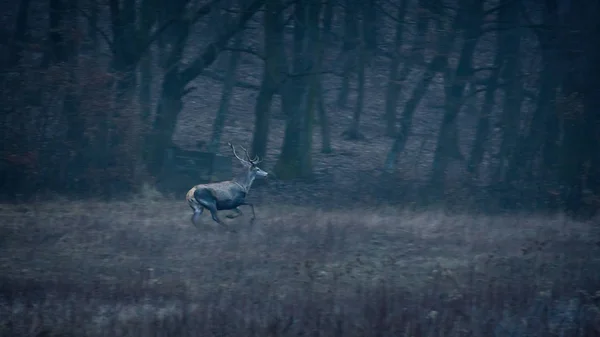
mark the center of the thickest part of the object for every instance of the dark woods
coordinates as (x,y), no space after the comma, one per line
(92,91)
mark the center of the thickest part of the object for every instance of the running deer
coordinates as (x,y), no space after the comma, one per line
(225,195)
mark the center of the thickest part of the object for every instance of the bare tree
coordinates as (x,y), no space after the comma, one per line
(19,37)
(415,57)
(353,131)
(178,77)
(520,164)
(447,142)
(370,26)
(228,86)
(508,15)
(298,102)
(146,23)
(483,127)
(393,86)
(437,64)
(323,41)
(578,155)
(348,53)
(93,42)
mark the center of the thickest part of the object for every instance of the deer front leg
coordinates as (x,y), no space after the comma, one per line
(238,213)
(252,208)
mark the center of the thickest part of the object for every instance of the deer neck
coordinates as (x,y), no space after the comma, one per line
(245,180)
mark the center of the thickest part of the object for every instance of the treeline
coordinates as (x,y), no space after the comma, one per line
(79,79)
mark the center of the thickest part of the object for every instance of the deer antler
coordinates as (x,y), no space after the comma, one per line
(234,153)
(253,161)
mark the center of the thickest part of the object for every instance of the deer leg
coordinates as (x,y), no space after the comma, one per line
(207,200)
(196,216)
(215,217)
(238,212)
(252,208)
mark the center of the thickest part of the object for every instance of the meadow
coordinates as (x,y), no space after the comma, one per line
(139,268)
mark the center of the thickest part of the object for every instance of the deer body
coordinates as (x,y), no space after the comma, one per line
(225,195)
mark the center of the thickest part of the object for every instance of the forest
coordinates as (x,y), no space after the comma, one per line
(434,167)
(491,99)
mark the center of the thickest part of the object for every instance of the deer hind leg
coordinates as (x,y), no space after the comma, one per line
(196,216)
(215,217)
(197,208)
(207,200)
(212,207)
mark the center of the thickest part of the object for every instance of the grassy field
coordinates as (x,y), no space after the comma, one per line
(141,269)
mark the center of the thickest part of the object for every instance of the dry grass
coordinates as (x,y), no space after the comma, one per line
(140,268)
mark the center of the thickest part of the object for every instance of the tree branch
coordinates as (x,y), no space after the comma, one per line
(201,12)
(247,51)
(324,72)
(241,84)
(212,50)
(102,33)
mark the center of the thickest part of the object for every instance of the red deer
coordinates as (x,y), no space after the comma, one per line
(225,195)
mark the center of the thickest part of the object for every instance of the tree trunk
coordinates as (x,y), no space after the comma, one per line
(147,21)
(353,132)
(447,142)
(348,50)
(56,52)
(439,63)
(323,120)
(126,55)
(328,14)
(145,93)
(325,40)
(171,99)
(20,34)
(228,85)
(416,57)
(483,123)
(423,19)
(369,26)
(393,87)
(530,144)
(63,49)
(508,17)
(295,160)
(574,150)
(274,70)
(314,50)
(92,44)
(579,162)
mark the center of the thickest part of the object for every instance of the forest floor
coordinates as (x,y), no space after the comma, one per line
(121,268)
